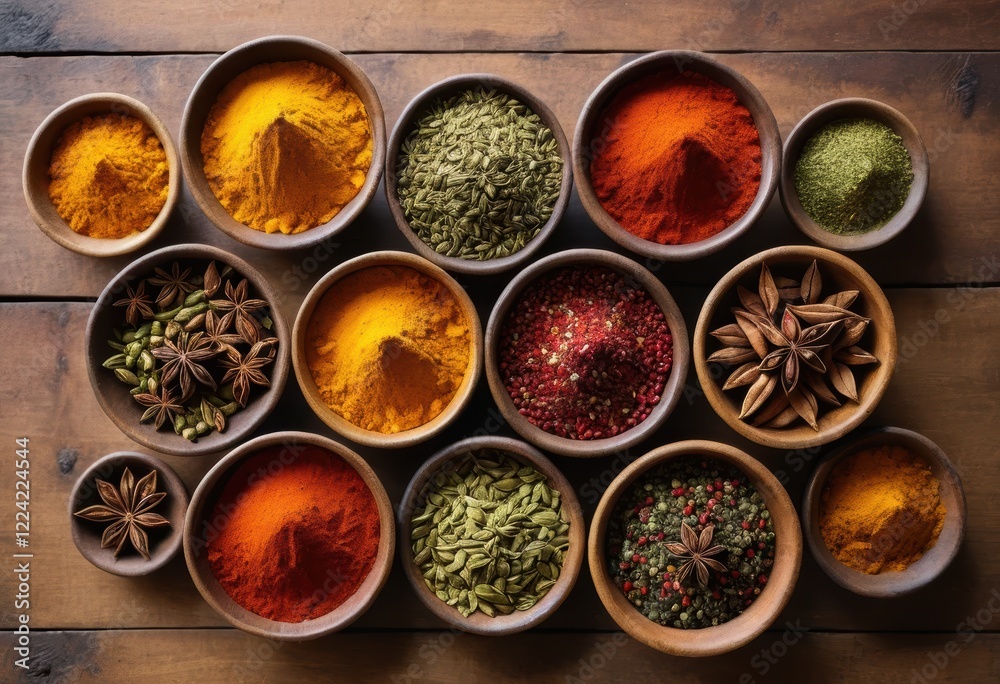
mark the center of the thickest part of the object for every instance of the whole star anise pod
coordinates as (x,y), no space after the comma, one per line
(183,361)
(695,552)
(174,286)
(245,370)
(216,331)
(139,305)
(242,308)
(128,509)
(162,407)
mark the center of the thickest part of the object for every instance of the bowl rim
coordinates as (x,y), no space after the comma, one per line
(414,108)
(263,404)
(262,51)
(748,95)
(738,631)
(783,438)
(257,625)
(933,562)
(167,480)
(338,423)
(670,395)
(38,156)
(851,108)
(573,561)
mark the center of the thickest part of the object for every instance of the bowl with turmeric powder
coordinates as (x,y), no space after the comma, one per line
(283,142)
(884,514)
(387,349)
(102,175)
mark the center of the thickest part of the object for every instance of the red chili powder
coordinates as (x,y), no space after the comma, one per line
(679,158)
(299,535)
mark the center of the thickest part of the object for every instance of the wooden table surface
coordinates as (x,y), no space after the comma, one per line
(936,61)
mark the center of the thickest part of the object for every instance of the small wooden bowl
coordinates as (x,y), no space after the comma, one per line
(854,108)
(591,128)
(197,528)
(932,563)
(337,422)
(839,273)
(164,542)
(113,396)
(749,624)
(480,623)
(35,175)
(206,91)
(671,391)
(416,108)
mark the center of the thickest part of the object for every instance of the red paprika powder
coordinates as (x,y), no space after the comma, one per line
(300,534)
(680,158)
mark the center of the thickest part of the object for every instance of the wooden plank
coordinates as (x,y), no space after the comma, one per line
(952,240)
(566,25)
(448,658)
(947,388)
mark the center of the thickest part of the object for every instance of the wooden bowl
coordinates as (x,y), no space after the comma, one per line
(35,175)
(851,108)
(749,624)
(478,622)
(164,542)
(337,422)
(592,128)
(931,564)
(198,527)
(671,391)
(113,396)
(206,91)
(839,273)
(416,108)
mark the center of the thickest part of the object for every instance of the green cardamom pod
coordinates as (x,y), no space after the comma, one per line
(116,361)
(230,408)
(203,428)
(189,433)
(187,313)
(127,376)
(196,297)
(167,315)
(156,328)
(172,330)
(143,331)
(117,346)
(179,424)
(148,360)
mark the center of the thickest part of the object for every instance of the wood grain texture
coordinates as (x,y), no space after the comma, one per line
(952,240)
(564,25)
(947,387)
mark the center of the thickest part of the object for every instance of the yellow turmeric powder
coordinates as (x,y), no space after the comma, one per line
(108,176)
(388,348)
(880,510)
(286,146)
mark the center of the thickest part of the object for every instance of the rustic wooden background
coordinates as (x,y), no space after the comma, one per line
(937,61)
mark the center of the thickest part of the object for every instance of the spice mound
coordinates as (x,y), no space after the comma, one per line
(286,146)
(585,353)
(490,535)
(388,348)
(881,510)
(108,176)
(127,510)
(478,175)
(691,543)
(853,176)
(300,536)
(678,159)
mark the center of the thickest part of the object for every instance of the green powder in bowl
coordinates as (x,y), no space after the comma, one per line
(853,176)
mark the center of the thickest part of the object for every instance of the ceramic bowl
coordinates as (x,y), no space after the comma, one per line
(416,108)
(752,622)
(478,622)
(114,397)
(675,381)
(337,422)
(854,108)
(932,563)
(592,127)
(838,273)
(35,175)
(198,528)
(164,542)
(230,65)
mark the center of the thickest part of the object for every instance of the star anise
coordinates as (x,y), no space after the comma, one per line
(216,331)
(183,363)
(128,509)
(139,305)
(238,303)
(245,370)
(162,407)
(174,286)
(695,552)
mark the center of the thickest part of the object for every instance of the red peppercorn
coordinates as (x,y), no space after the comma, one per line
(644,590)
(642,560)
(703,519)
(624,566)
(642,541)
(762,524)
(686,601)
(745,525)
(627,587)
(750,553)
(678,492)
(688,510)
(718,496)
(716,594)
(635,558)
(735,483)
(762,579)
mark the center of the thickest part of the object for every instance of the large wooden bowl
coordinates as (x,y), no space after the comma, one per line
(478,622)
(839,273)
(198,528)
(749,624)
